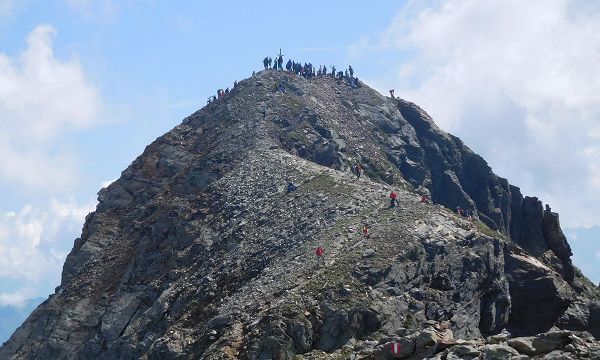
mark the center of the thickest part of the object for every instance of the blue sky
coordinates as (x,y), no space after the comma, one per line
(85,85)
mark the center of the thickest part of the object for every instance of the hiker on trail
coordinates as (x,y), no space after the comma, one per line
(269,61)
(266,62)
(235,83)
(320,251)
(209,100)
(291,187)
(253,73)
(365,232)
(280,62)
(324,70)
(227,90)
(457,210)
(392,94)
(288,65)
(359,170)
(320,71)
(332,71)
(351,70)
(346,73)
(393,197)
(424,199)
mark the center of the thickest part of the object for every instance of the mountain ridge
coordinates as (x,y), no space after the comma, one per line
(197,250)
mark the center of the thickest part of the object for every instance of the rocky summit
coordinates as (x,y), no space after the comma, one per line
(199,251)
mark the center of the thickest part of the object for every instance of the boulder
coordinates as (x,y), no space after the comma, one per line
(498,352)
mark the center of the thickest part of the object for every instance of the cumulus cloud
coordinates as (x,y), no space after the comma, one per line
(519,82)
(41,98)
(34,243)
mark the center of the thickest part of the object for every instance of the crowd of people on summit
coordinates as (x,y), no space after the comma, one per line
(309,71)
(306,70)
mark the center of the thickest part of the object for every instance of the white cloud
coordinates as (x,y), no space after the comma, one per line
(16,298)
(105,184)
(519,82)
(33,245)
(41,98)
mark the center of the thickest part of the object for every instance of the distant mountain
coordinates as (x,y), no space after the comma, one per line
(200,251)
(12,316)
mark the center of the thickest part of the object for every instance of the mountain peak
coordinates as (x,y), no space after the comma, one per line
(201,250)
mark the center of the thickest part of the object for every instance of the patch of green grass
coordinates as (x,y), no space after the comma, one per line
(484,229)
(408,320)
(326,184)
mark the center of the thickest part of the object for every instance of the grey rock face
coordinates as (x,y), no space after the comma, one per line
(199,251)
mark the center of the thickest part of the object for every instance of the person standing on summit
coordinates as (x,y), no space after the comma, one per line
(351,71)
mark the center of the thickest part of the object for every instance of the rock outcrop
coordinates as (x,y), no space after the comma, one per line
(199,251)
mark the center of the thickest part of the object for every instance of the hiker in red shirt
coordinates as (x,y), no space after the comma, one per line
(393,199)
(424,199)
(366,232)
(320,251)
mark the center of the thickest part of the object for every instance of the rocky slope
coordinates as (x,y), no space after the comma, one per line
(198,250)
